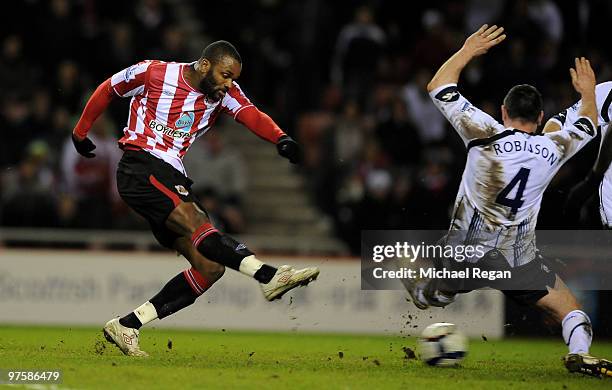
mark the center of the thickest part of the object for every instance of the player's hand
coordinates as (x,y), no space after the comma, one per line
(578,196)
(583,77)
(289,149)
(84,146)
(482,40)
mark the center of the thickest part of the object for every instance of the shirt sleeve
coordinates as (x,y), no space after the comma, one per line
(235,101)
(131,81)
(95,106)
(469,121)
(575,133)
(603,96)
(236,104)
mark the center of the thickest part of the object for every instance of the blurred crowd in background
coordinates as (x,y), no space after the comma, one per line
(346,79)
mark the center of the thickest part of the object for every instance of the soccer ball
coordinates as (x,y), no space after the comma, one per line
(442,345)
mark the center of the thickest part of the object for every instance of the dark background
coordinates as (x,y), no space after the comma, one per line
(352,93)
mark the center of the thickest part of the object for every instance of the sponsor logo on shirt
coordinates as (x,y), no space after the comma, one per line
(130,73)
(585,125)
(449,94)
(447,97)
(561,117)
(186,120)
(169,131)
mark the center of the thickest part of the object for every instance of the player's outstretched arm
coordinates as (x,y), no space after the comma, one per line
(582,191)
(262,125)
(95,106)
(583,80)
(475,45)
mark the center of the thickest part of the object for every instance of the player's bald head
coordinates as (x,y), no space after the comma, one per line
(216,51)
(524,102)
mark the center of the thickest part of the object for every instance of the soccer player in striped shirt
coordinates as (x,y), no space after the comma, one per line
(172,104)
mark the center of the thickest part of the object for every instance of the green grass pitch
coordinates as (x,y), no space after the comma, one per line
(227,359)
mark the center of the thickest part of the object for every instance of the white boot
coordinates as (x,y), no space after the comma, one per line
(287,278)
(125,338)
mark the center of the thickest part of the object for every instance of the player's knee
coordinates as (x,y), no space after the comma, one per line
(187,218)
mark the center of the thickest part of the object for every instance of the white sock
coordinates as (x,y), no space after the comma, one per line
(146,312)
(249,265)
(577,331)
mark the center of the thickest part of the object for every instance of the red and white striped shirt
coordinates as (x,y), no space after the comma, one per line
(166,113)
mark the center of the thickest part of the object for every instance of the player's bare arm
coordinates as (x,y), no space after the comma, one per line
(583,80)
(475,45)
(586,77)
(582,191)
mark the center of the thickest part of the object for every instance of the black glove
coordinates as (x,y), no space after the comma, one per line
(84,147)
(289,149)
(579,194)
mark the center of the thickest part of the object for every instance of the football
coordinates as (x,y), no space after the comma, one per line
(442,345)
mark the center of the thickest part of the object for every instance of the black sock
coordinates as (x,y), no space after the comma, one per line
(223,249)
(265,274)
(131,321)
(174,296)
(177,294)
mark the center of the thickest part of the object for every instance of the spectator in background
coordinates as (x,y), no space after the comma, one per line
(399,136)
(384,58)
(364,204)
(437,181)
(173,47)
(374,209)
(430,124)
(119,48)
(151,16)
(28,190)
(342,146)
(17,75)
(359,47)
(479,12)
(405,203)
(40,117)
(89,183)
(547,15)
(348,136)
(436,43)
(61,121)
(60,28)
(220,181)
(68,86)
(14,116)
